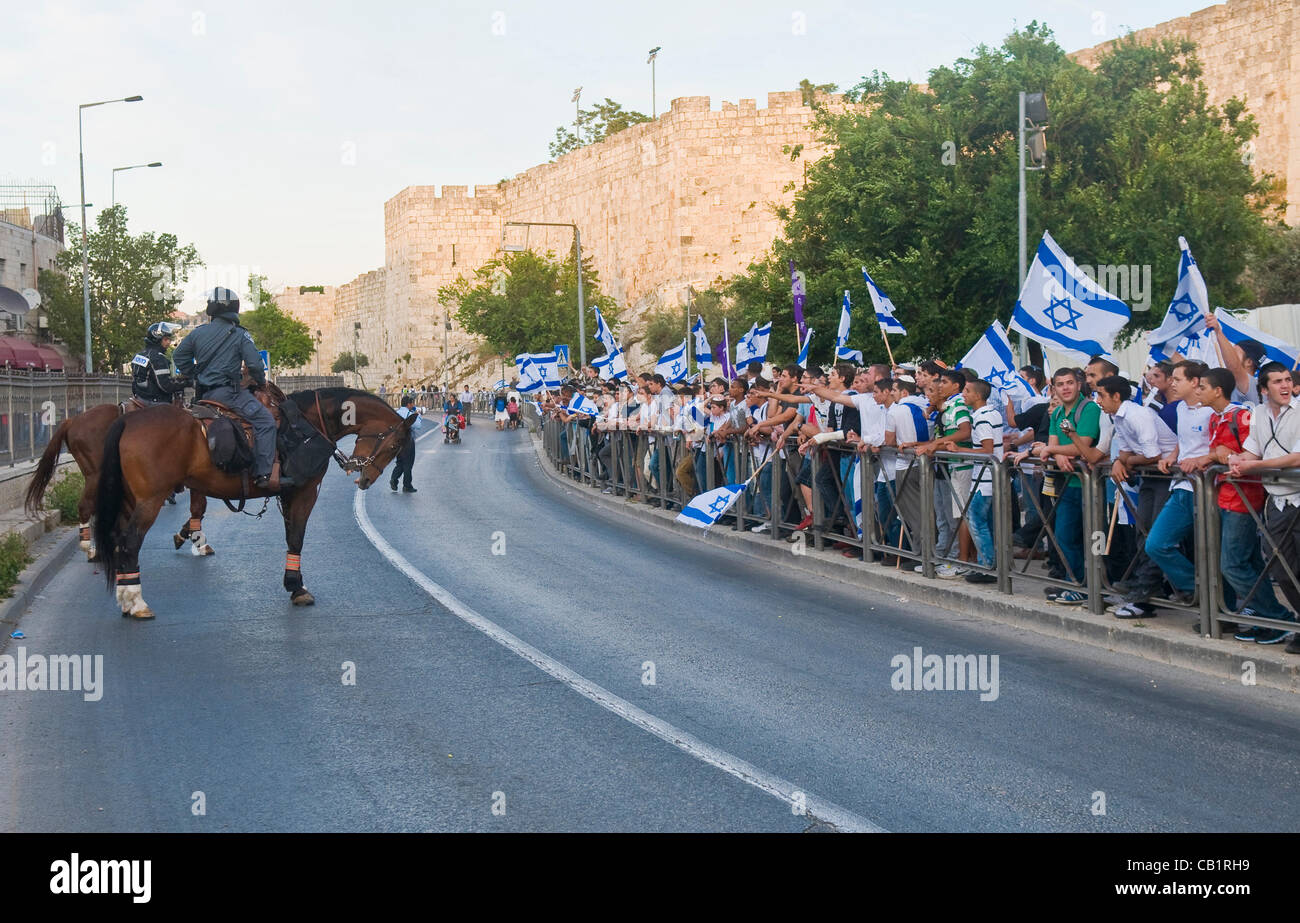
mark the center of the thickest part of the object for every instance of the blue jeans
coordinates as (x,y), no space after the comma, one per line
(979,519)
(1172,526)
(1069,530)
(760,504)
(889,524)
(1241,562)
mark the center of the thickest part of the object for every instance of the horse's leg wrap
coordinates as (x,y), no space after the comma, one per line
(292,572)
(85,540)
(130,597)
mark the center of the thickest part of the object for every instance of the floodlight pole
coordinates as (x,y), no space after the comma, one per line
(1024,218)
(577,247)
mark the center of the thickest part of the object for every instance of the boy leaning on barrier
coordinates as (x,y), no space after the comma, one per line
(1274,443)
(1240,560)
(986,436)
(1140,439)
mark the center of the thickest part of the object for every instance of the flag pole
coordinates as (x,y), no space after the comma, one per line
(884,336)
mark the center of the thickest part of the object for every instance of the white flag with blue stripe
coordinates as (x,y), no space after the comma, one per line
(884,307)
(1185,319)
(842,351)
(1275,350)
(604,334)
(530,376)
(1061,307)
(802,361)
(672,364)
(752,347)
(580,403)
(610,366)
(707,508)
(993,359)
(547,365)
(703,351)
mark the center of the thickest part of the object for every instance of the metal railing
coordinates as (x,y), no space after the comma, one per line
(892,520)
(33,404)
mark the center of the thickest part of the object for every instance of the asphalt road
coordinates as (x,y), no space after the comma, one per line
(507,690)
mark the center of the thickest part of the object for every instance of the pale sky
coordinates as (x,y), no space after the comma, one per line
(283,127)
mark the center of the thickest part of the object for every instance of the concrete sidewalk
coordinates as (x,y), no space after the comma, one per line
(1166,639)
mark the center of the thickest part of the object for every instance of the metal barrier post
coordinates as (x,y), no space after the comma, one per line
(867,492)
(1205,532)
(927,538)
(1002,525)
(1094,563)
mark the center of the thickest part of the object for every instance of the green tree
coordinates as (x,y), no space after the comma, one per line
(595,124)
(527,302)
(347,362)
(134,282)
(1274,274)
(287,340)
(665,329)
(920,188)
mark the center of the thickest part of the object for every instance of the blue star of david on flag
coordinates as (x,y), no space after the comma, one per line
(1184,307)
(1072,316)
(672,364)
(1186,314)
(706,508)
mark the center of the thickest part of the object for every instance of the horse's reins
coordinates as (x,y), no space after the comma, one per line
(348,464)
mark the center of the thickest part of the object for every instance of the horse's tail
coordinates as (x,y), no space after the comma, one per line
(108,501)
(45,470)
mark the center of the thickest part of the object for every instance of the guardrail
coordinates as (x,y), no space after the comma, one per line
(888,506)
(33,404)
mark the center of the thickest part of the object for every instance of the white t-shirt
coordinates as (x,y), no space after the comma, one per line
(1140,430)
(1193,436)
(986,423)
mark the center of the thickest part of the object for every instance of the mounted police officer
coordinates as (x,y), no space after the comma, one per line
(152,380)
(214,355)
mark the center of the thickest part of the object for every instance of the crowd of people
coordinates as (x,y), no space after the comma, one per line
(1150,436)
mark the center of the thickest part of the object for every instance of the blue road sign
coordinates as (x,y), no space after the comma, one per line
(266,360)
(562,355)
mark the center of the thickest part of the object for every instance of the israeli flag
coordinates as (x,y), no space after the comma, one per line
(1237,330)
(672,364)
(1060,307)
(580,403)
(610,366)
(802,361)
(842,350)
(604,334)
(548,366)
(1187,312)
(992,358)
(851,489)
(530,376)
(703,351)
(884,307)
(696,413)
(499,385)
(707,508)
(752,347)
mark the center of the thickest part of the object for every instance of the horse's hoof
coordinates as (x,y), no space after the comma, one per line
(302,598)
(207,550)
(178,540)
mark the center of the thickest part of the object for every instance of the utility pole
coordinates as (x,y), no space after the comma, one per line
(654,53)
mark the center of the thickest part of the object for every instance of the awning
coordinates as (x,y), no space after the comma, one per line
(51,359)
(20,354)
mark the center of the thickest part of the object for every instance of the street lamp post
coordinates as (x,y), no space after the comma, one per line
(1033,108)
(117,170)
(654,53)
(577,247)
(577,115)
(85,235)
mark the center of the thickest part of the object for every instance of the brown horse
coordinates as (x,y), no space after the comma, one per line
(149,453)
(84,435)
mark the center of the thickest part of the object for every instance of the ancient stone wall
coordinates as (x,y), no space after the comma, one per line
(1248,50)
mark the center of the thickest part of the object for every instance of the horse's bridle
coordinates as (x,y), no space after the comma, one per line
(345,462)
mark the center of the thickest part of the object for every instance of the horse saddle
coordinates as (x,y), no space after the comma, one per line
(206,410)
(130,404)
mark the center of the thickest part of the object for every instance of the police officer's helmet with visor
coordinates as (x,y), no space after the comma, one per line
(157,331)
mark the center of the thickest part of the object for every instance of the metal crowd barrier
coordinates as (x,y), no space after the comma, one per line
(897,514)
(32,405)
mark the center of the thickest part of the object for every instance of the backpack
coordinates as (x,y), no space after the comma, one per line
(230,451)
(305,451)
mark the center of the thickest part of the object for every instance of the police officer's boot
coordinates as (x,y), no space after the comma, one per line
(270,481)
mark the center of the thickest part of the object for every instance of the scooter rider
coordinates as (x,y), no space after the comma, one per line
(214,356)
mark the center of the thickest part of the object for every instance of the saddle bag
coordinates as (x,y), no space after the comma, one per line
(304,450)
(230,450)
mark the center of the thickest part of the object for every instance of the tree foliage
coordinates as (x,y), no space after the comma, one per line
(347,362)
(1274,275)
(527,302)
(920,187)
(665,329)
(286,339)
(595,124)
(134,282)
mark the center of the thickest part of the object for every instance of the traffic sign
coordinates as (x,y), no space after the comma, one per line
(562,355)
(266,360)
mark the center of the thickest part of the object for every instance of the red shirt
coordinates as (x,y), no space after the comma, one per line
(1221,435)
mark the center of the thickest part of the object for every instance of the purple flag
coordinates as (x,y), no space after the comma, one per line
(722,353)
(798,293)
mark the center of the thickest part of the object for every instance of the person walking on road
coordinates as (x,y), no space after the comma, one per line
(405,459)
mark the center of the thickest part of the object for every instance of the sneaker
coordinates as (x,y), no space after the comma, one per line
(392,485)
(1069,598)
(1179,598)
(1134,611)
(1249,633)
(1114,601)
(949,571)
(761,527)
(608,490)
(1294,646)
(1271,635)
(979,577)
(916,568)
(410,490)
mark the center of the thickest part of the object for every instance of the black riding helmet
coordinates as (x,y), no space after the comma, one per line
(154,336)
(222,301)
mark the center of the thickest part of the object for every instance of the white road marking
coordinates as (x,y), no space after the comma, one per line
(773,785)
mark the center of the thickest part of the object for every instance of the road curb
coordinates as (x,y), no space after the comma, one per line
(49,558)
(1224,660)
